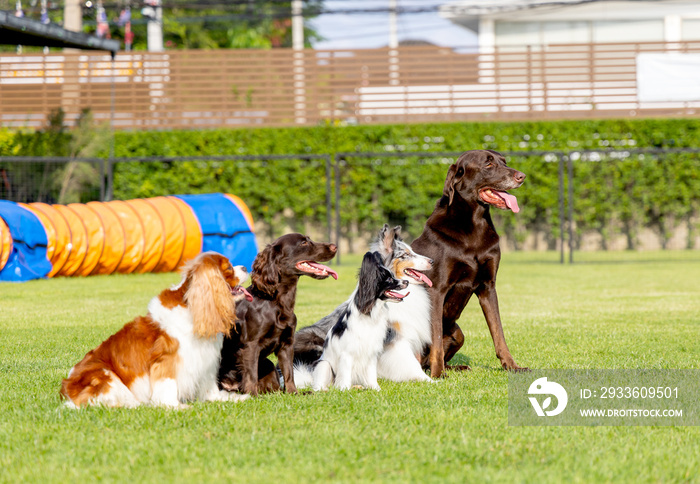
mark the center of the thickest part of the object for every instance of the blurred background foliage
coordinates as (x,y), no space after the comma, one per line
(245,24)
(616,194)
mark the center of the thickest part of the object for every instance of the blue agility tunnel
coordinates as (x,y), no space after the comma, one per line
(227,226)
(25,256)
(142,235)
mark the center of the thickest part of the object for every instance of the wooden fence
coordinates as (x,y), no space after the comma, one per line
(195,89)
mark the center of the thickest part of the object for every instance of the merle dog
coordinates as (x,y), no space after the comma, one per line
(460,238)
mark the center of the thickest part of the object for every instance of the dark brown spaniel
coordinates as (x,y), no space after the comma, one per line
(266,324)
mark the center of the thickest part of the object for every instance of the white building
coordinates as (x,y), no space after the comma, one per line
(561,58)
(517,23)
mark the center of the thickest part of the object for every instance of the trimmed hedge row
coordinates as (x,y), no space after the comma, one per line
(611,195)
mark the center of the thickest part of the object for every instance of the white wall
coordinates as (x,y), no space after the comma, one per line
(565,32)
(691,29)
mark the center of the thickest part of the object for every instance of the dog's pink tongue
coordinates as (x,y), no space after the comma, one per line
(321,267)
(247,295)
(424,278)
(511,201)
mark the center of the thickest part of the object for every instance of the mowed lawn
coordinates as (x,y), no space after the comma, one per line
(634,315)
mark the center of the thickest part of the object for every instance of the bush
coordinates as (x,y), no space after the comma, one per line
(611,195)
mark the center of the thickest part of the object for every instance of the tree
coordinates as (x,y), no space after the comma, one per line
(195,24)
(240,24)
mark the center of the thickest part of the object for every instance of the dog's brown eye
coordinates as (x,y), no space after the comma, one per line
(460,172)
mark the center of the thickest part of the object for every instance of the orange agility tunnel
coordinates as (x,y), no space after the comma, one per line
(143,235)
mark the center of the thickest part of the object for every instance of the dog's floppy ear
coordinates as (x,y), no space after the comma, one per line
(208,298)
(493,152)
(449,190)
(454,176)
(266,273)
(370,276)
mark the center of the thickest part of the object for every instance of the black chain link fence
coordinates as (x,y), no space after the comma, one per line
(583,206)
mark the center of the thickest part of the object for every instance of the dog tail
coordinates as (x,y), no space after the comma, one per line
(308,341)
(303,375)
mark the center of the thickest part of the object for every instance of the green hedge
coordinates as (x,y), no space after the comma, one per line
(610,194)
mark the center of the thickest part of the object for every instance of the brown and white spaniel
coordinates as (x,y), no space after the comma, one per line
(171,355)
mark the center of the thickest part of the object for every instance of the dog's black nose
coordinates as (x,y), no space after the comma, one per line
(245,271)
(431,261)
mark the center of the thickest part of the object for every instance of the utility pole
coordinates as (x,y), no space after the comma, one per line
(393,25)
(299,75)
(393,43)
(154,12)
(70,88)
(73,16)
(297,25)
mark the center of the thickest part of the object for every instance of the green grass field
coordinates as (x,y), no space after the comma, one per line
(637,315)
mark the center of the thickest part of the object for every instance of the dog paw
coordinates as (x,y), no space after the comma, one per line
(238,397)
(229,385)
(458,368)
(512,366)
(437,370)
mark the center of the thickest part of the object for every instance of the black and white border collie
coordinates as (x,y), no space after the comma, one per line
(352,348)
(408,334)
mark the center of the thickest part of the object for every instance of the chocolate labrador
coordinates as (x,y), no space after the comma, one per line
(460,238)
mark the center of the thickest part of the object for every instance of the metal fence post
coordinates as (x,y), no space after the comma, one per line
(561,207)
(329,208)
(102,180)
(110,180)
(571,208)
(337,207)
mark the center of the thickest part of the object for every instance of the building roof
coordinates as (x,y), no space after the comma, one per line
(24,31)
(467,13)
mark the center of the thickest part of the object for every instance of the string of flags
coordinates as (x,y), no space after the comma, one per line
(102,30)
(102,23)
(125,21)
(44,13)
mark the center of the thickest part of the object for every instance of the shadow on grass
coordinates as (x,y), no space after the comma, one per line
(460,359)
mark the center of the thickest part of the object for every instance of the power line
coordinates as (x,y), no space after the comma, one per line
(379,33)
(274,12)
(313,10)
